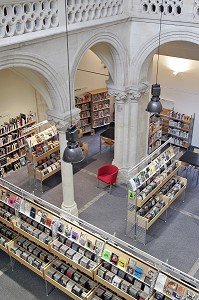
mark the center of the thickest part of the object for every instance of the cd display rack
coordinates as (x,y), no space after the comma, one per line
(81,260)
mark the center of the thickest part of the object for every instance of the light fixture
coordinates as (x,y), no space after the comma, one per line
(155,106)
(72,153)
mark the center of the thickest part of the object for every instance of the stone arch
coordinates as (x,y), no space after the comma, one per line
(140,64)
(110,50)
(40,75)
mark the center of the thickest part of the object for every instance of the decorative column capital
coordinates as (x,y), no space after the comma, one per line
(63,120)
(135,93)
(119,93)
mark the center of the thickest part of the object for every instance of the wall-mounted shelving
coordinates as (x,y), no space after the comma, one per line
(13,136)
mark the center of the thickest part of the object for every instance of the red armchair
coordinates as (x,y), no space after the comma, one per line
(108,174)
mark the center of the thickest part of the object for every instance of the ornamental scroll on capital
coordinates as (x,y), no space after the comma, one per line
(134,94)
(118,94)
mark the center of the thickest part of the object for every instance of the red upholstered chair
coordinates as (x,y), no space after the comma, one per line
(108,174)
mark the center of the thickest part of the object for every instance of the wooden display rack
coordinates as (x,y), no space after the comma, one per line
(34,159)
(140,224)
(64,289)
(108,245)
(72,262)
(22,261)
(140,203)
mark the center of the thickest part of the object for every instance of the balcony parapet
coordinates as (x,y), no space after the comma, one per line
(29,19)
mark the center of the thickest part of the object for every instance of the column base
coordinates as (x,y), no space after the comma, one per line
(122,176)
(72,209)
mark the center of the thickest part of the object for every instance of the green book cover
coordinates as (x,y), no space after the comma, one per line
(106,255)
(131,195)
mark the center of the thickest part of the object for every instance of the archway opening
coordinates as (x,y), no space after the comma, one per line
(91,81)
(178,73)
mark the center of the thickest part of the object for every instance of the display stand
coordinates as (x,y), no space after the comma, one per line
(152,188)
(80,259)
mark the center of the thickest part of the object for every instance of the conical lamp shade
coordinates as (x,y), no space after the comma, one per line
(73,153)
(154,106)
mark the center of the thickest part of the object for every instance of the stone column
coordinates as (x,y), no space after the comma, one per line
(68,203)
(126,128)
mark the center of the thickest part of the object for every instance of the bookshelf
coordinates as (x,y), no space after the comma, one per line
(100,108)
(178,126)
(94,110)
(13,136)
(84,104)
(155,133)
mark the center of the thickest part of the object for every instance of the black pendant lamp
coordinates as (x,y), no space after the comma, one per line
(155,106)
(72,153)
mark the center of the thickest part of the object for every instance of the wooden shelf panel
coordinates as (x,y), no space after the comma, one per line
(25,263)
(35,158)
(155,130)
(114,288)
(42,177)
(4,248)
(7,223)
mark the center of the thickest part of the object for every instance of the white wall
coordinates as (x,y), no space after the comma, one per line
(16,95)
(85,81)
(182,89)
(90,81)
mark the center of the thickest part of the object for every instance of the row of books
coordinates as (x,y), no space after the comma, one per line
(15,123)
(42,136)
(137,181)
(83,99)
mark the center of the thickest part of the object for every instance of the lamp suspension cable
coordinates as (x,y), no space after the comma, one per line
(72,153)
(68,61)
(160,29)
(155,106)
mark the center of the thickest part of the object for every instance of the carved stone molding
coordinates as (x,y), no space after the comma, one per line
(120,95)
(169,7)
(82,11)
(63,120)
(134,93)
(26,17)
